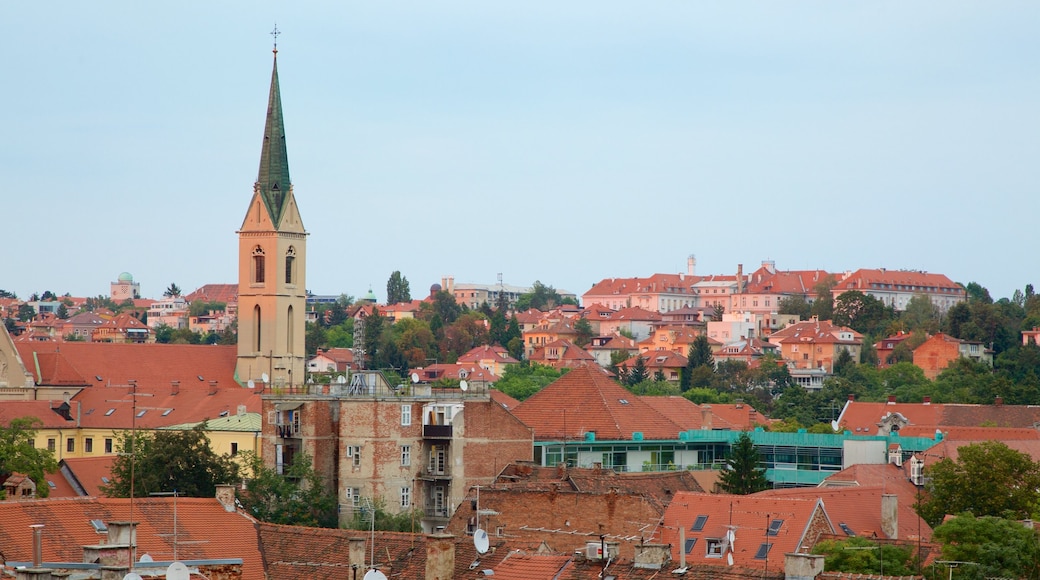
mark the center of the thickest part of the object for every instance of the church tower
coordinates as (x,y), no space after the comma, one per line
(272,259)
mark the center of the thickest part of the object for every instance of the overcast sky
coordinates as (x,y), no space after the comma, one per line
(564,142)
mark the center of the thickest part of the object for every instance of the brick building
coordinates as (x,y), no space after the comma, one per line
(936,353)
(411,446)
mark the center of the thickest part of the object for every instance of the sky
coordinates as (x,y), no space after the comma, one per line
(564,142)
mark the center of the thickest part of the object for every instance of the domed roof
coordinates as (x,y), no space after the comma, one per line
(371,296)
(126,277)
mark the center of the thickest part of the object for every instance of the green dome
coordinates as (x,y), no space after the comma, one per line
(371,296)
(126,277)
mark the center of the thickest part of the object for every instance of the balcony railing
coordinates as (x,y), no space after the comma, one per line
(436,431)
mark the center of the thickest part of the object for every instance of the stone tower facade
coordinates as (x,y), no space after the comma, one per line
(272,266)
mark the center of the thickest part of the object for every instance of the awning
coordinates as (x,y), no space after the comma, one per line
(287,406)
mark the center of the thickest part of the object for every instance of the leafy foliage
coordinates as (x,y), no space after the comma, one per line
(987,479)
(172,290)
(397,289)
(743,474)
(525,379)
(541,297)
(298,497)
(19,455)
(864,556)
(169,460)
(995,547)
(408,521)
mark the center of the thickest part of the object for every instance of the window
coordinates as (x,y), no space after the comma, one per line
(774,527)
(234,448)
(406,455)
(690,543)
(70,445)
(763,551)
(406,415)
(258,265)
(108,445)
(353,495)
(290,263)
(714,548)
(698,524)
(88,445)
(406,497)
(354,452)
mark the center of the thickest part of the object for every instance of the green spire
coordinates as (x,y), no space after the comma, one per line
(273,180)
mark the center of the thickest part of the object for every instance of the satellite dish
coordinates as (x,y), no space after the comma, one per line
(133,576)
(177,571)
(415,377)
(464,385)
(374,574)
(264,377)
(251,384)
(341,380)
(480,541)
(834,426)
(146,558)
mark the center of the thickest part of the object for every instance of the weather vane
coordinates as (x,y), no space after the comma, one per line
(275,33)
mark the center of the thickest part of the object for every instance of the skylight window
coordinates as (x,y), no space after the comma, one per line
(141,413)
(51,485)
(774,527)
(167,412)
(109,412)
(104,479)
(845,528)
(689,545)
(698,524)
(99,526)
(623,401)
(763,551)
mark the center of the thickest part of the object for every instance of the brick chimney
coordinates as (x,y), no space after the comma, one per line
(927,401)
(356,552)
(890,516)
(802,566)
(440,557)
(852,397)
(999,401)
(652,556)
(706,417)
(891,399)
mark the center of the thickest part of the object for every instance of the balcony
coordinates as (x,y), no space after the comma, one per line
(436,431)
(434,474)
(286,431)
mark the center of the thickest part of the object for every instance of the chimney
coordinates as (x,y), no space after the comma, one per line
(706,417)
(175,387)
(691,265)
(740,278)
(890,516)
(241,410)
(356,552)
(440,557)
(891,399)
(801,566)
(927,401)
(999,401)
(226,497)
(123,533)
(852,397)
(213,387)
(655,556)
(37,531)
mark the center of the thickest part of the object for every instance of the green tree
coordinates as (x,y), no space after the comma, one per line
(986,479)
(172,290)
(6,294)
(583,328)
(298,497)
(26,312)
(864,556)
(796,305)
(63,312)
(823,304)
(541,297)
(843,362)
(406,521)
(169,460)
(164,334)
(921,315)
(638,373)
(700,365)
(860,312)
(995,547)
(19,455)
(525,379)
(743,474)
(397,289)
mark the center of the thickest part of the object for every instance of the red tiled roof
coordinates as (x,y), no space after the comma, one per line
(635,313)
(950,449)
(911,281)
(523,566)
(788,282)
(81,363)
(163,407)
(204,529)
(749,516)
(862,417)
(658,359)
(43,410)
(226,293)
(568,354)
(586,400)
(87,472)
(503,399)
(486,352)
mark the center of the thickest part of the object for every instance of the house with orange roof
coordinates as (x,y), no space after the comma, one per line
(333,360)
(668,364)
(81,326)
(547,331)
(561,354)
(15,381)
(80,531)
(401,310)
(602,348)
(816,344)
(81,476)
(939,351)
(748,350)
(474,375)
(886,347)
(677,339)
(493,358)
(123,328)
(226,293)
(895,288)
(742,531)
(656,293)
(927,417)
(635,321)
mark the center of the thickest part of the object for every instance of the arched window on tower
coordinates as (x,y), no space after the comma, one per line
(290,265)
(290,331)
(258,265)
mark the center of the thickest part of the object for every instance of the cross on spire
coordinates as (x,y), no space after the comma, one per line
(275,33)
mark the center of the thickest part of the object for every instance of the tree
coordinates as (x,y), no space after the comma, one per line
(860,312)
(986,479)
(921,314)
(843,361)
(397,289)
(996,548)
(169,460)
(796,305)
(525,379)
(19,455)
(172,290)
(864,556)
(639,372)
(63,312)
(699,362)
(406,521)
(743,474)
(26,312)
(298,497)
(6,294)
(541,297)
(823,305)
(583,328)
